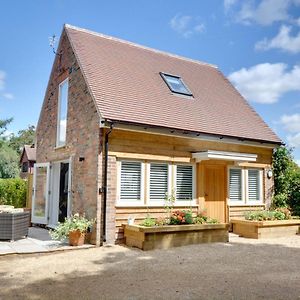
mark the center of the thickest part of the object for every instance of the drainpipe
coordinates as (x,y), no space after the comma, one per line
(106,146)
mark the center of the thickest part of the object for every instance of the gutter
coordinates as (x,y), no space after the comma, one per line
(106,147)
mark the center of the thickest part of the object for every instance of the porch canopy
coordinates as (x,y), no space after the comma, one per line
(224,155)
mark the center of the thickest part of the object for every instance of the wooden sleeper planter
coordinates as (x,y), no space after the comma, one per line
(265,229)
(168,236)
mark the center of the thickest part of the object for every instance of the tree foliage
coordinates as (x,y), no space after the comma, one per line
(9,161)
(286,180)
(11,147)
(24,137)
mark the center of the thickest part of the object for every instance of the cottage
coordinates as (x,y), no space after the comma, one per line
(27,160)
(122,124)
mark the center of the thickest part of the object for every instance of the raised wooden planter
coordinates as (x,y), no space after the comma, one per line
(168,236)
(265,229)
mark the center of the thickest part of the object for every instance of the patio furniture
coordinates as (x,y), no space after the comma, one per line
(14,226)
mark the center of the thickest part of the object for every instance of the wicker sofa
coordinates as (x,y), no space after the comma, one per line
(14,225)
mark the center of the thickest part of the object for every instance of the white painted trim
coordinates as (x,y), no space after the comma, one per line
(193,200)
(224,155)
(245,201)
(36,219)
(59,112)
(159,201)
(242,201)
(142,187)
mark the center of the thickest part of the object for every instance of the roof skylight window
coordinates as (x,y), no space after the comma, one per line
(176,84)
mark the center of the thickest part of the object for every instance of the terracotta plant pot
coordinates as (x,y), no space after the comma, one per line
(76,238)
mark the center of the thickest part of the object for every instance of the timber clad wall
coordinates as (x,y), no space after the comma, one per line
(150,147)
(82,139)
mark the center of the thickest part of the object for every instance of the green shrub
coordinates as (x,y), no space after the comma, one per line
(148,221)
(268,215)
(72,223)
(13,192)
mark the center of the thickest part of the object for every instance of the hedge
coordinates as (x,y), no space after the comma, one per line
(13,192)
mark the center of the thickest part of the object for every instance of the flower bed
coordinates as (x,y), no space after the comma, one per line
(266,224)
(265,229)
(168,236)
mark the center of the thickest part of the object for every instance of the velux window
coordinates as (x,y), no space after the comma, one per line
(245,186)
(62,113)
(176,84)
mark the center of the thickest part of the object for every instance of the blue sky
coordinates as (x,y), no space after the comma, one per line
(255,43)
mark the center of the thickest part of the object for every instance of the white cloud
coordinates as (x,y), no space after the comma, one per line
(266,83)
(283,40)
(265,12)
(8,96)
(291,123)
(228,4)
(2,79)
(294,140)
(186,25)
(297,162)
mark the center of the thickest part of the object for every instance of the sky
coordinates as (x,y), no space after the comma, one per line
(255,43)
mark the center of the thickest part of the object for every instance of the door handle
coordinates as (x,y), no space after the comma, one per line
(205,194)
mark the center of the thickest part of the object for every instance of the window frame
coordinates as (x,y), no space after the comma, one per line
(160,202)
(260,186)
(145,200)
(193,200)
(164,77)
(122,202)
(245,201)
(58,145)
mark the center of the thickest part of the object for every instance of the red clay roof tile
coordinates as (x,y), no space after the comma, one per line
(125,81)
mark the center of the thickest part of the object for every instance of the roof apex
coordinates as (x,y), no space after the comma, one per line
(68,26)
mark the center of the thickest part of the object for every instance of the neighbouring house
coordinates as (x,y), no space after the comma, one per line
(122,124)
(27,160)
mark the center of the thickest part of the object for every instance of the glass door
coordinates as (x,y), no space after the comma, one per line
(40,196)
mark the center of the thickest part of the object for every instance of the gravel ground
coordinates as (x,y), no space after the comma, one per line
(241,269)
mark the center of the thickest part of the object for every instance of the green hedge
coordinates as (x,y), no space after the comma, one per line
(13,192)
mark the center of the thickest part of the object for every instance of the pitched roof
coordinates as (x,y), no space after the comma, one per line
(124,79)
(30,152)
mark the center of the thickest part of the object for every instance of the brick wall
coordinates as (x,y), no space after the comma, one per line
(82,139)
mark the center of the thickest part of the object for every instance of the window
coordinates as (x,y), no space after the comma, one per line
(131,179)
(146,183)
(253,185)
(175,84)
(184,182)
(235,185)
(158,181)
(62,113)
(25,167)
(245,186)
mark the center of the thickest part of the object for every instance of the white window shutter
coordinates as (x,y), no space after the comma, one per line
(253,185)
(158,181)
(235,185)
(130,188)
(184,182)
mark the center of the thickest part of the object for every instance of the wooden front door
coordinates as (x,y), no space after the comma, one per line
(215,192)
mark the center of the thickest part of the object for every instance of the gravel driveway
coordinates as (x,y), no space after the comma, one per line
(241,269)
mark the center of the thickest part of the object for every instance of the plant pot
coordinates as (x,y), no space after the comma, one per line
(76,238)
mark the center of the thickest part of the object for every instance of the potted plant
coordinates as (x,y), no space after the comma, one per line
(74,227)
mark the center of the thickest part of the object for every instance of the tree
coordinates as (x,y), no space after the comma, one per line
(24,137)
(3,125)
(286,179)
(9,161)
